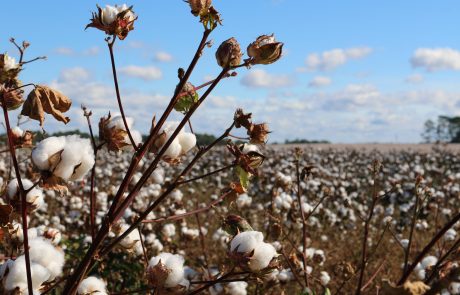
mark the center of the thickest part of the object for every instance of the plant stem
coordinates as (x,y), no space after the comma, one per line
(21,193)
(92,197)
(117,90)
(304,224)
(411,231)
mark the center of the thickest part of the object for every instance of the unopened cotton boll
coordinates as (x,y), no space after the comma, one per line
(174,264)
(92,285)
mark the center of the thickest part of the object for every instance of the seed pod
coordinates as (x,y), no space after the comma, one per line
(265,50)
(229,53)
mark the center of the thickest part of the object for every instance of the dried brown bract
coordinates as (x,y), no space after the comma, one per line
(265,50)
(46,100)
(113,136)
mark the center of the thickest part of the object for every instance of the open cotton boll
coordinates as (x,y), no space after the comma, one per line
(246,241)
(237,288)
(324,278)
(17,276)
(31,196)
(263,254)
(109,14)
(187,141)
(429,261)
(174,150)
(92,285)
(174,263)
(247,148)
(45,149)
(76,159)
(43,252)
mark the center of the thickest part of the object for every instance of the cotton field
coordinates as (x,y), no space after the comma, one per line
(184,251)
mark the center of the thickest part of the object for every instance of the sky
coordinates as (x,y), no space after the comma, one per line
(352,71)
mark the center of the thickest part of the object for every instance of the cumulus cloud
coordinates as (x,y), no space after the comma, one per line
(414,79)
(76,74)
(436,59)
(144,73)
(163,56)
(67,51)
(261,79)
(331,59)
(320,81)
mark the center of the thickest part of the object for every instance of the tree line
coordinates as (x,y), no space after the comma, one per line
(444,129)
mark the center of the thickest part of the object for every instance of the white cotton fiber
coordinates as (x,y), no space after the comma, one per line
(92,285)
(174,263)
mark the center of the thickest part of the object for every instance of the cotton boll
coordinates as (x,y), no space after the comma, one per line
(17,131)
(237,288)
(450,235)
(34,197)
(263,254)
(169,230)
(109,14)
(45,149)
(175,265)
(429,261)
(247,148)
(174,150)
(324,278)
(243,200)
(187,141)
(44,253)
(246,241)
(92,285)
(76,159)
(17,276)
(454,288)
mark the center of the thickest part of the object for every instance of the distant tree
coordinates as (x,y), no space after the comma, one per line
(299,141)
(429,134)
(446,129)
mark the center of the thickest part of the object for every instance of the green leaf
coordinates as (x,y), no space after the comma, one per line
(244,177)
(327,291)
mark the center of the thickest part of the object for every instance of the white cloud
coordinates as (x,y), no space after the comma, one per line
(163,56)
(76,74)
(144,73)
(261,79)
(64,51)
(414,79)
(331,59)
(72,52)
(320,81)
(436,59)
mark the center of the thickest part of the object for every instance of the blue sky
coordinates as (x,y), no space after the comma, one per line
(352,71)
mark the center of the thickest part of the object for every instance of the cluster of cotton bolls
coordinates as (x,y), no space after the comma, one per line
(47,262)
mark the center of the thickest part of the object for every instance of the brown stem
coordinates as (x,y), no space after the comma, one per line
(170,188)
(92,196)
(21,193)
(411,231)
(187,214)
(146,258)
(207,174)
(117,90)
(202,242)
(366,235)
(88,259)
(211,283)
(304,223)
(372,278)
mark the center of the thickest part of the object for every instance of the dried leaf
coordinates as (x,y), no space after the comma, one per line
(5,212)
(409,288)
(46,100)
